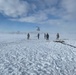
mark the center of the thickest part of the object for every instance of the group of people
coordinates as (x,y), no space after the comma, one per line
(28,36)
(46,36)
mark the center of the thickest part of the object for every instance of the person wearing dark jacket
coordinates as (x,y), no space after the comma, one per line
(38,35)
(57,36)
(47,36)
(28,36)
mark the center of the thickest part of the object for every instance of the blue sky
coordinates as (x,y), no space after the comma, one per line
(50,15)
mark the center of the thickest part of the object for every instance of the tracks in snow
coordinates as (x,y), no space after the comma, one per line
(63,42)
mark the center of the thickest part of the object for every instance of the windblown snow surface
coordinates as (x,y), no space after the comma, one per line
(19,56)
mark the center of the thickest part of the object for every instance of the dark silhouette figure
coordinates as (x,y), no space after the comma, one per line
(38,35)
(44,35)
(57,36)
(28,36)
(38,28)
(47,36)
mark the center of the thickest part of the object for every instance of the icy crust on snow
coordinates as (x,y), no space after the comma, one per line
(36,57)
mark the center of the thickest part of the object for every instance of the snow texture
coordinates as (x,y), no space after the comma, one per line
(19,56)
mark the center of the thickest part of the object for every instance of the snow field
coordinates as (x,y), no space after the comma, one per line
(19,56)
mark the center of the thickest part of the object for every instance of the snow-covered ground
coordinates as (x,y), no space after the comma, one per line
(19,56)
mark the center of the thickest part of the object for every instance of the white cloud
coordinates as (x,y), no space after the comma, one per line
(38,11)
(13,8)
(35,18)
(70,9)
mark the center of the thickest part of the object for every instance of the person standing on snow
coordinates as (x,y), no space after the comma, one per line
(28,36)
(44,35)
(38,35)
(57,36)
(47,36)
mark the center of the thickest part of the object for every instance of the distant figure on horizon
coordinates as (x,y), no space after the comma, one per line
(28,36)
(38,28)
(57,36)
(38,35)
(47,36)
(44,35)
